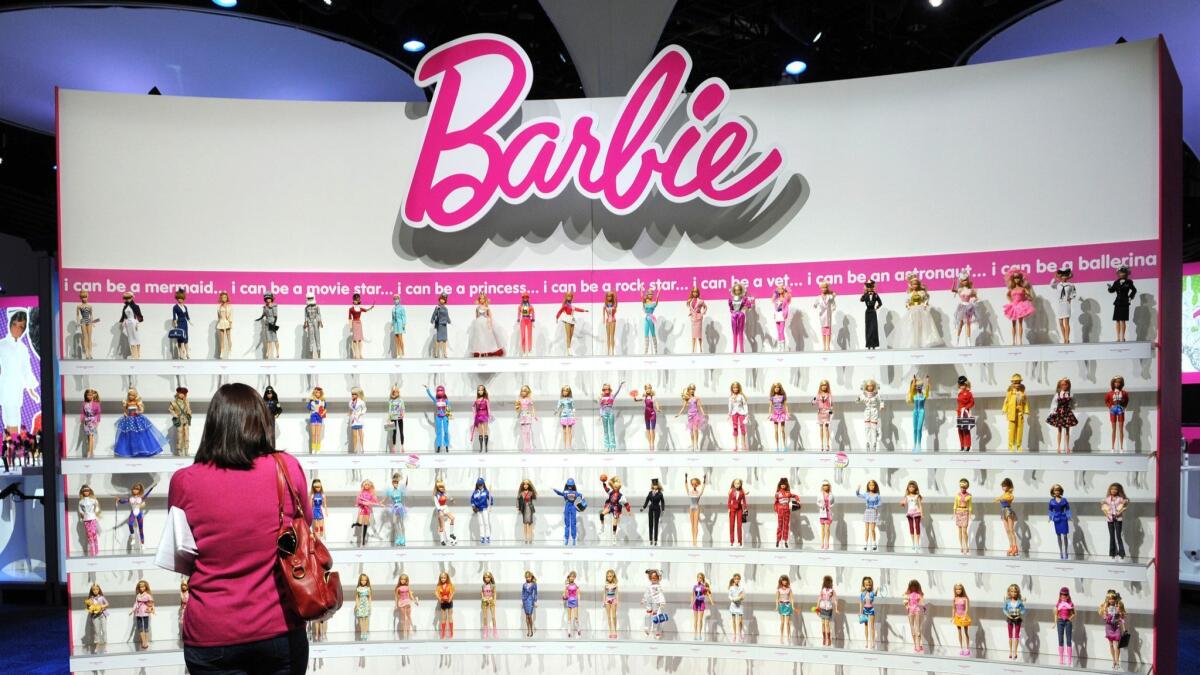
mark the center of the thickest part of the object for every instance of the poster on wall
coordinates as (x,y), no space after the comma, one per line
(21,528)
(1191,323)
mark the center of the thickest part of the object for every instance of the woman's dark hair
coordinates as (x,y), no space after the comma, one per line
(237,428)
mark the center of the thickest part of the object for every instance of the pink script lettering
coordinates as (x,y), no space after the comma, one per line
(464,166)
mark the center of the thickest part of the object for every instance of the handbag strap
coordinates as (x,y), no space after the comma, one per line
(283,482)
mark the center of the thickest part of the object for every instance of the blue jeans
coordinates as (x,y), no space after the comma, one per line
(283,655)
(1065,629)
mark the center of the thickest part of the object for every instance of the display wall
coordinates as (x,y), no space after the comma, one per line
(978,170)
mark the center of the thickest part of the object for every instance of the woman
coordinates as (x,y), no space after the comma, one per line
(236,619)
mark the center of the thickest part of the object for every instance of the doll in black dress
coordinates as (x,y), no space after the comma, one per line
(871,299)
(1125,291)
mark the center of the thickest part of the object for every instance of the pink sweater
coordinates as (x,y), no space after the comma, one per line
(234,516)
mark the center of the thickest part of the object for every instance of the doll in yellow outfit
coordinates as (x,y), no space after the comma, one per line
(1016,407)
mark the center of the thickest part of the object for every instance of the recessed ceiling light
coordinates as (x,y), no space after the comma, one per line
(227,4)
(795,67)
(414,46)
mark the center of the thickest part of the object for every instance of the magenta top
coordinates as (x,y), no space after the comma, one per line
(234,599)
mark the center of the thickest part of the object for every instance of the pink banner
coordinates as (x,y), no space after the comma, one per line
(1091,262)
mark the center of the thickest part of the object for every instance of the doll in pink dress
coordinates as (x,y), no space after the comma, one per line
(824,402)
(1020,303)
(526,414)
(89,419)
(825,304)
(779,415)
(695,414)
(697,308)
(781,302)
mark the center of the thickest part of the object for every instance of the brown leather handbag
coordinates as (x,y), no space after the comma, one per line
(313,590)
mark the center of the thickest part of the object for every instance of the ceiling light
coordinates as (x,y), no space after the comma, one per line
(795,67)
(328,3)
(414,45)
(817,37)
(935,3)
(227,4)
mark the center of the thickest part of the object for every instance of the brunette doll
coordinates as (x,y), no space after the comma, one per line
(964,404)
(1114,505)
(363,595)
(482,409)
(1015,408)
(487,601)
(481,505)
(526,414)
(827,607)
(872,501)
(1064,295)
(610,322)
(740,302)
(781,302)
(701,600)
(1059,513)
(406,599)
(356,328)
(656,502)
(181,418)
(825,512)
(317,508)
(872,404)
(1014,614)
(871,319)
(695,490)
(1123,292)
(650,324)
(180,319)
(779,415)
(271,399)
(395,419)
(963,508)
(526,315)
(825,304)
(650,413)
(785,502)
(316,419)
(357,417)
(365,501)
(914,512)
(738,507)
(131,316)
(566,316)
(270,327)
(1064,623)
(89,515)
(570,598)
(441,418)
(866,610)
(89,420)
(565,411)
(961,614)
(529,600)
(739,410)
(914,602)
(312,327)
(1062,417)
(136,435)
(612,602)
(143,609)
(1117,402)
(440,320)
(697,308)
(1112,612)
(86,317)
(481,338)
(1020,303)
(224,326)
(824,402)
(526,497)
(785,603)
(96,633)
(964,312)
(608,414)
(445,597)
(399,325)
(695,414)
(737,608)
(1007,515)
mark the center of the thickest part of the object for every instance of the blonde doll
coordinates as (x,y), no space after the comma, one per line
(740,302)
(566,316)
(365,501)
(827,607)
(1015,409)
(571,603)
(445,597)
(914,602)
(701,599)
(785,604)
(487,598)
(316,419)
(1112,612)
(565,410)
(526,414)
(612,601)
(695,414)
(872,499)
(406,599)
(96,634)
(445,519)
(695,490)
(224,326)
(697,308)
(610,321)
(1007,515)
(89,514)
(317,508)
(961,614)
(964,312)
(529,600)
(739,410)
(1020,304)
(362,607)
(914,510)
(86,318)
(779,415)
(825,512)
(136,435)
(781,303)
(866,610)
(824,402)
(872,404)
(651,413)
(737,608)
(650,324)
(1063,417)
(1014,614)
(962,513)
(357,416)
(825,304)
(143,609)
(608,414)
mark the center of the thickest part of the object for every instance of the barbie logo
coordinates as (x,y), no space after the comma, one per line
(465,166)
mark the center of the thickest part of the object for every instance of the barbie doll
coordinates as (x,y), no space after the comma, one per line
(89,514)
(357,415)
(786,605)
(1014,613)
(1114,505)
(695,414)
(181,419)
(697,308)
(1112,611)
(406,599)
(1117,402)
(365,501)
(89,419)
(362,607)
(526,496)
(655,603)
(526,315)
(608,415)
(871,320)
(566,316)
(487,601)
(86,318)
(270,327)
(526,414)
(136,435)
(657,503)
(866,610)
(827,606)
(610,321)
(356,327)
(825,304)
(131,316)
(1064,295)
(316,419)
(650,413)
(914,511)
(395,419)
(482,408)
(961,615)
(179,324)
(529,599)
(649,304)
(312,327)
(739,410)
(573,503)
(1064,622)
(739,303)
(1007,515)
(825,512)
(441,323)
(96,634)
(781,301)
(271,399)
(964,313)
(919,391)
(482,337)
(824,402)
(964,403)
(737,607)
(317,508)
(1059,512)
(565,410)
(785,503)
(914,602)
(441,509)
(701,599)
(779,415)
(614,504)
(873,500)
(917,329)
(1020,303)
(399,325)
(963,508)
(1063,418)
(224,326)
(143,609)
(570,598)
(441,418)
(481,504)
(1124,291)
(872,403)
(1015,408)
(445,597)
(738,511)
(612,602)
(396,508)
(695,490)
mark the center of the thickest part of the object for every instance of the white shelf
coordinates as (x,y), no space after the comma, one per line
(895,656)
(966,461)
(1067,569)
(883,357)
